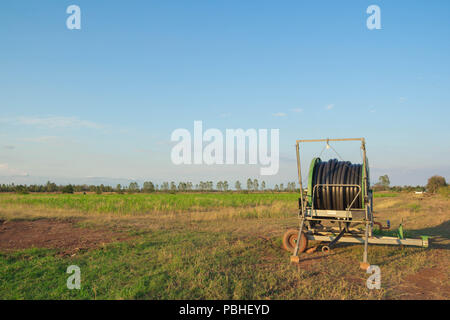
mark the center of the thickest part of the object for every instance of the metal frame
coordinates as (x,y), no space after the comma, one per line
(372,240)
(348,216)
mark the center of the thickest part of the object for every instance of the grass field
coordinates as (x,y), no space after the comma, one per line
(143,204)
(206,246)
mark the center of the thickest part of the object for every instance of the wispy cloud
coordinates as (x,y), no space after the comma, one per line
(402,99)
(6,170)
(279,114)
(9,147)
(298,110)
(53,122)
(329,107)
(43,139)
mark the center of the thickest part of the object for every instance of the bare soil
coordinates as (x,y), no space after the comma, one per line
(54,234)
(428,283)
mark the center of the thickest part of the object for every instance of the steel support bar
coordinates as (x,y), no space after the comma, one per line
(372,240)
(366,242)
(299,237)
(336,239)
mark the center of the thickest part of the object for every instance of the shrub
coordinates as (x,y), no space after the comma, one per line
(435,182)
(444,191)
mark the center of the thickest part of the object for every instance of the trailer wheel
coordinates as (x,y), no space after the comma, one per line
(290,241)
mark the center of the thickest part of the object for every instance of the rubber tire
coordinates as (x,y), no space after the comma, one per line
(289,239)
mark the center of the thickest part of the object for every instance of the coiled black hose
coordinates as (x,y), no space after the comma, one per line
(336,172)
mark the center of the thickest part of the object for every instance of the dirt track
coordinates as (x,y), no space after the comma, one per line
(54,234)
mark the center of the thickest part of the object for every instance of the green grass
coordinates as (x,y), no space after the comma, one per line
(158,202)
(198,254)
(385,194)
(147,203)
(414,206)
(159,266)
(199,265)
(185,265)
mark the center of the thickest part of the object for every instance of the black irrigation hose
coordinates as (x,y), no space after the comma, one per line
(337,197)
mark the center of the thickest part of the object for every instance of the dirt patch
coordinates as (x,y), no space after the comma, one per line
(53,234)
(428,283)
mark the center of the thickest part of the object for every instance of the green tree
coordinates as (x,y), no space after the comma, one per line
(21,189)
(67,189)
(291,186)
(237,185)
(133,187)
(51,187)
(435,182)
(249,184)
(148,187)
(384,181)
(182,186)
(255,185)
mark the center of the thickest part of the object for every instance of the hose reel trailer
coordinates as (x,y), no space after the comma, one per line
(338,198)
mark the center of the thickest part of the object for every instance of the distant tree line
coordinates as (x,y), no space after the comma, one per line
(253,185)
(433,185)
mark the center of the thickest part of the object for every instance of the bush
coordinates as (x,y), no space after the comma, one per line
(444,191)
(435,182)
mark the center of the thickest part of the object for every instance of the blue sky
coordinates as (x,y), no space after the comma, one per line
(103,101)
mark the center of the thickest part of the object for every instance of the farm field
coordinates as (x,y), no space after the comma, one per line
(207,246)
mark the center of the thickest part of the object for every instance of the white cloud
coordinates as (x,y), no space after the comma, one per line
(280,114)
(298,110)
(330,106)
(6,170)
(53,122)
